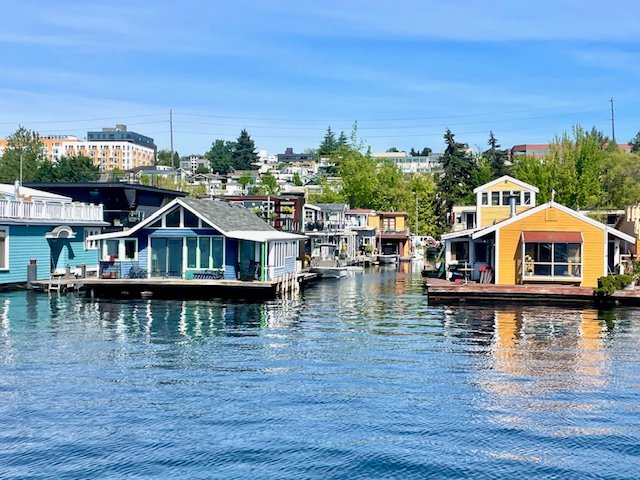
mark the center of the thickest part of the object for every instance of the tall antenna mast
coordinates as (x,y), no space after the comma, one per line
(171,135)
(613,124)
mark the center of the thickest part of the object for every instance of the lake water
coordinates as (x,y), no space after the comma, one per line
(357,378)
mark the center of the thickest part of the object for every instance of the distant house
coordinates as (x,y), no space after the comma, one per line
(288,156)
(393,236)
(190,236)
(524,243)
(47,230)
(360,221)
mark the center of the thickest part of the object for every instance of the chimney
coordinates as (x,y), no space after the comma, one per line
(512,206)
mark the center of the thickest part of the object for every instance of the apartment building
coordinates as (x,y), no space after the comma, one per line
(54,145)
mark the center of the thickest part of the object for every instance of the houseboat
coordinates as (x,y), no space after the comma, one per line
(44,234)
(200,239)
(515,242)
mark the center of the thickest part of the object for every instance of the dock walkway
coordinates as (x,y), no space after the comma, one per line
(445,292)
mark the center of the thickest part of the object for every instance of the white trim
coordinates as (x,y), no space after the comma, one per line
(562,208)
(7,250)
(505,178)
(263,236)
(121,250)
(496,254)
(461,233)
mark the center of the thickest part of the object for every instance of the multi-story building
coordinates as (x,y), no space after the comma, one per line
(412,164)
(288,156)
(54,145)
(539,150)
(193,162)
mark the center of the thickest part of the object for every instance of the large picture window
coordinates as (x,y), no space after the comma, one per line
(460,251)
(205,252)
(546,259)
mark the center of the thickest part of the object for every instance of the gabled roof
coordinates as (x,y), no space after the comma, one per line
(484,231)
(231,219)
(462,233)
(506,178)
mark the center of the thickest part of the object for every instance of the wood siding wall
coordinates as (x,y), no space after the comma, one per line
(548,220)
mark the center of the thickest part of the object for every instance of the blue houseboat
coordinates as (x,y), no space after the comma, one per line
(200,239)
(46,230)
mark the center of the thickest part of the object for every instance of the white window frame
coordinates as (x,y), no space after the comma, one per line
(91,244)
(121,250)
(5,267)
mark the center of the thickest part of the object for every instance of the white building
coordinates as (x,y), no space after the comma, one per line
(412,164)
(110,155)
(193,162)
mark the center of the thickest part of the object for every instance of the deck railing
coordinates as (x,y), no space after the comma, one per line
(64,212)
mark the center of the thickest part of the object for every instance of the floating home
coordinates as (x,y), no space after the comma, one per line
(200,239)
(517,242)
(45,234)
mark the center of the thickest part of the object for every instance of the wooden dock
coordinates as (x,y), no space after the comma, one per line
(446,292)
(176,287)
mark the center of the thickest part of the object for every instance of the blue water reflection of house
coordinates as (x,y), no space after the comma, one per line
(46,229)
(200,238)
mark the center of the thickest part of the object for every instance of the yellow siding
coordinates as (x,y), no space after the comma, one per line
(506,185)
(490,215)
(593,243)
(373,221)
(400,223)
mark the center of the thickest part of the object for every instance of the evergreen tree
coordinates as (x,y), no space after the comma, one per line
(219,156)
(392,150)
(635,143)
(426,151)
(329,144)
(244,155)
(457,180)
(26,145)
(343,141)
(495,157)
(413,153)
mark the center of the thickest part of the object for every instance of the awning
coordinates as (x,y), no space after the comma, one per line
(552,237)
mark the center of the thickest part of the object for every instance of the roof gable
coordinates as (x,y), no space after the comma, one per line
(506,178)
(562,208)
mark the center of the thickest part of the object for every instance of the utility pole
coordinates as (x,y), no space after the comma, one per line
(613,125)
(171,136)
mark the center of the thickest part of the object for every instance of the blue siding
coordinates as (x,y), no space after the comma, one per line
(27,243)
(70,252)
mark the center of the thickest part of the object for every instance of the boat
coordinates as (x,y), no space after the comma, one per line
(387,259)
(330,272)
(327,265)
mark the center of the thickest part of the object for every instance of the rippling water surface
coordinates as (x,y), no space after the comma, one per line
(353,379)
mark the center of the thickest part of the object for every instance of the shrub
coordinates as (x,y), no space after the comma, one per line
(609,284)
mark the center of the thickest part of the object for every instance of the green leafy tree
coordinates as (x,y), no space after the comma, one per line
(164,158)
(245,180)
(426,151)
(268,184)
(621,180)
(23,146)
(328,144)
(244,155)
(297,181)
(392,150)
(423,188)
(202,169)
(220,155)
(68,169)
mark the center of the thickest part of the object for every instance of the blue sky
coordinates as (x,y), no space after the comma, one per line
(405,70)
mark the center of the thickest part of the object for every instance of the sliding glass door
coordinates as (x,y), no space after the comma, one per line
(166,257)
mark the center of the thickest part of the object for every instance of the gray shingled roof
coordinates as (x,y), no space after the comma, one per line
(228,216)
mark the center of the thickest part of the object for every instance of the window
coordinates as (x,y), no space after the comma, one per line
(527,198)
(172,219)
(481,252)
(205,252)
(495,198)
(485,198)
(192,252)
(130,247)
(190,219)
(460,251)
(217,251)
(4,248)
(91,244)
(552,260)
(120,249)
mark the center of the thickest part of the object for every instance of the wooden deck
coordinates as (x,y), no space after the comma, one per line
(173,287)
(446,292)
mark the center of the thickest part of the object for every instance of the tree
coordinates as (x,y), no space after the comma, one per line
(457,180)
(202,169)
(635,143)
(26,145)
(268,184)
(245,180)
(328,144)
(68,169)
(244,156)
(164,158)
(392,150)
(220,155)
(426,151)
(413,152)
(343,141)
(495,157)
(297,181)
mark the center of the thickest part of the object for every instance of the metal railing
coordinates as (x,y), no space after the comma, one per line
(65,212)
